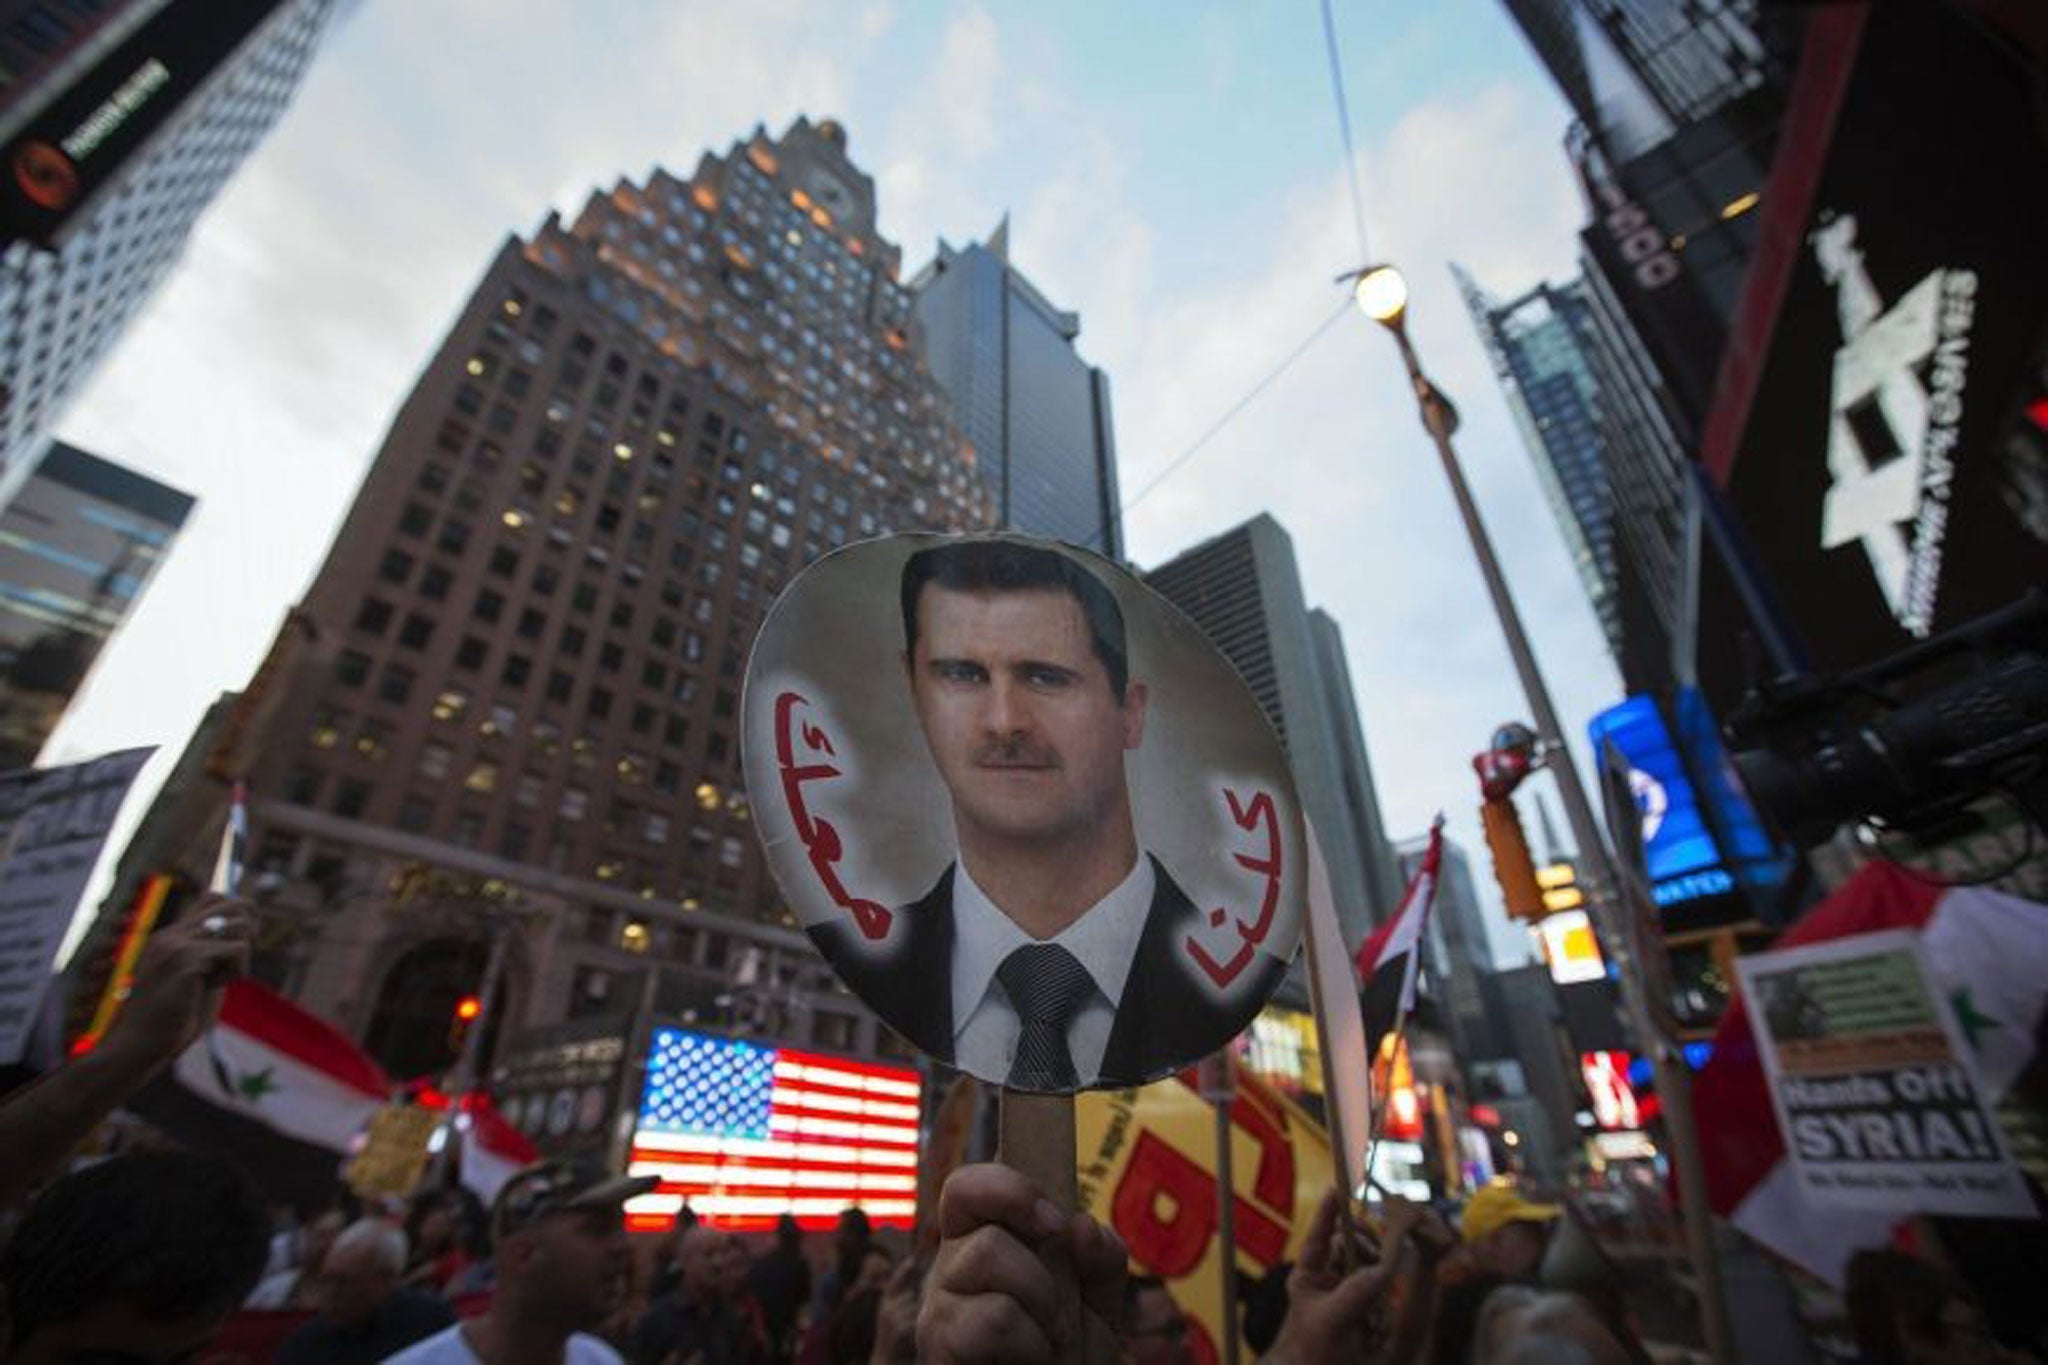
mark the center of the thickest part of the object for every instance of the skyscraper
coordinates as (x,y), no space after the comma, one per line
(1541,344)
(78,545)
(1678,104)
(1243,590)
(1036,413)
(120,123)
(502,726)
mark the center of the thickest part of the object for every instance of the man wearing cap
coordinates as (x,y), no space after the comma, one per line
(559,1239)
(1507,1234)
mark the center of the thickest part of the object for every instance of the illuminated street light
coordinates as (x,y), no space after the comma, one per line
(1382,294)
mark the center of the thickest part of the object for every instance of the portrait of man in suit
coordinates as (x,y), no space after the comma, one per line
(1046,955)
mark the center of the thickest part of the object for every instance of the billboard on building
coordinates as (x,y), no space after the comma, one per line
(1889,339)
(79,141)
(744,1132)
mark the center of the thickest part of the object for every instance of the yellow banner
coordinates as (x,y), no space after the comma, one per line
(1147,1162)
(394,1154)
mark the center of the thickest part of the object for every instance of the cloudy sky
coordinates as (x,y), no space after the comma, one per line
(1172,171)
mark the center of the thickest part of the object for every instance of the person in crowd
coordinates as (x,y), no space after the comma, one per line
(1904,1310)
(295,1285)
(435,1230)
(1154,1330)
(1505,1234)
(177,994)
(780,1283)
(558,1239)
(697,1318)
(733,1264)
(1521,1325)
(871,1275)
(668,1270)
(365,1313)
(138,1259)
(848,1337)
(850,1241)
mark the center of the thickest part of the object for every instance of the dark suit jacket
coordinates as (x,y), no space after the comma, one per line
(1169,1016)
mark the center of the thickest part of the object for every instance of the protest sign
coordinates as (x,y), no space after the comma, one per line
(53,823)
(1147,1162)
(1879,1102)
(1027,811)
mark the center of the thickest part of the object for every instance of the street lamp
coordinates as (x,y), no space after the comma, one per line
(1382,295)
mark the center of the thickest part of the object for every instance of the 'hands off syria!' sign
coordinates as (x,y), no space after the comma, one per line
(1028,812)
(1876,1098)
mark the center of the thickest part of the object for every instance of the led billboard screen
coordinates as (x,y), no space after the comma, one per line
(744,1132)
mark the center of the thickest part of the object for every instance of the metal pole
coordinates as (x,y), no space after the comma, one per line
(1226,1228)
(463,1075)
(1636,972)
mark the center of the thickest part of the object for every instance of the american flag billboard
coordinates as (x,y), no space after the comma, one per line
(745,1132)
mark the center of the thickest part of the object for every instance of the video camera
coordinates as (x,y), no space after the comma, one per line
(1908,741)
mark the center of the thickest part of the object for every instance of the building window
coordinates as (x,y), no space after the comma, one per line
(560,685)
(517,669)
(416,631)
(599,704)
(434,760)
(483,777)
(451,705)
(527,791)
(351,667)
(656,830)
(572,641)
(610,655)
(504,561)
(415,813)
(396,566)
(531,623)
(489,605)
(470,654)
(635,937)
(395,685)
(415,519)
(373,616)
(454,536)
(575,801)
(350,797)
(434,583)
(302,786)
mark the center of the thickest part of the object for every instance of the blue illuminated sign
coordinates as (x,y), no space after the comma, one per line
(1685,863)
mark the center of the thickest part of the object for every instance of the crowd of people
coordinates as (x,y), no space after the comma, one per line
(154,1257)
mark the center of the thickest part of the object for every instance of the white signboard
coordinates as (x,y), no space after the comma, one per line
(53,823)
(1879,1103)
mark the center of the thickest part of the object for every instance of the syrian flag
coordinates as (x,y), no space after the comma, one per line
(1986,952)
(493,1151)
(1387,961)
(268,1061)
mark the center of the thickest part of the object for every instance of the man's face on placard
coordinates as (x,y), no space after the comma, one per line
(1018,710)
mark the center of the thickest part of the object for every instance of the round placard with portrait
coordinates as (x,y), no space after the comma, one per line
(1029,813)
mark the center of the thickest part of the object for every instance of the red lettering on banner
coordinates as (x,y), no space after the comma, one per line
(1256,1112)
(1171,1246)
(1268,865)
(820,840)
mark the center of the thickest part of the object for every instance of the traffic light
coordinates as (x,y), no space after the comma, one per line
(1513,868)
(467,1010)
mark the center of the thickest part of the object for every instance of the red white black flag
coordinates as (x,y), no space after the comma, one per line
(1388,960)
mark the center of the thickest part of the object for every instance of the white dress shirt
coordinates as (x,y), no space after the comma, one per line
(1104,940)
